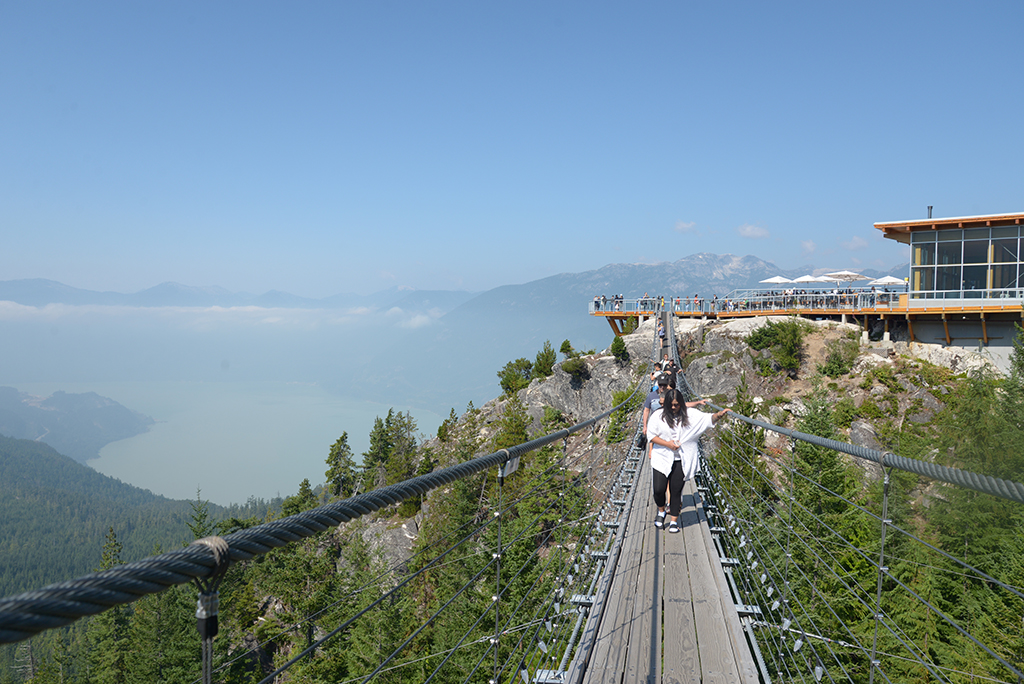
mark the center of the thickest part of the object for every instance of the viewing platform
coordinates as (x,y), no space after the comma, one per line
(964,288)
(857,306)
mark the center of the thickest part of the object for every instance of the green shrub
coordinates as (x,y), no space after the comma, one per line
(553,419)
(566,349)
(619,350)
(762,338)
(630,325)
(764,367)
(840,358)
(515,376)
(886,376)
(844,412)
(870,410)
(577,368)
(784,339)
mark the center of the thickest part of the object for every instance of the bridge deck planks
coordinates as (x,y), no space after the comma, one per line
(612,641)
(667,620)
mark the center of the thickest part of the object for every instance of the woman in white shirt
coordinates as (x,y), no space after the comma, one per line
(673,432)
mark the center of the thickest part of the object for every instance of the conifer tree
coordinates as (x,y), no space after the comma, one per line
(341,469)
(401,456)
(302,501)
(544,364)
(107,633)
(200,524)
(376,457)
(165,646)
(513,425)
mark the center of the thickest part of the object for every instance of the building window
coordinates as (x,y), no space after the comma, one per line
(949,253)
(975,278)
(976,252)
(948,278)
(924,254)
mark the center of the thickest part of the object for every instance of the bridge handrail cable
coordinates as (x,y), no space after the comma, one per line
(986,484)
(60,604)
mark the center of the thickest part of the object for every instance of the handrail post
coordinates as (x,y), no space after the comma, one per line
(208,605)
(497,576)
(881,570)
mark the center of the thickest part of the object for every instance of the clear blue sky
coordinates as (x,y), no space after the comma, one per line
(326,147)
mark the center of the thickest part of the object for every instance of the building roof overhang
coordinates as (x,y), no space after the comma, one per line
(901,230)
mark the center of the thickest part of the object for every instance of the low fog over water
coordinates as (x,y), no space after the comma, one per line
(232,440)
(247,401)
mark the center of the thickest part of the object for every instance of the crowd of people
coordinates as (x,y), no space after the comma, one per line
(754,300)
(672,428)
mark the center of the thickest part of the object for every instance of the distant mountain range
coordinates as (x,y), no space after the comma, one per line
(703,273)
(464,339)
(40,292)
(474,340)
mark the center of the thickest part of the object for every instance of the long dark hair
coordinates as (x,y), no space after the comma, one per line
(670,416)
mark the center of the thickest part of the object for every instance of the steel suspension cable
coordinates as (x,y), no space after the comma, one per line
(60,604)
(986,484)
(467,585)
(869,560)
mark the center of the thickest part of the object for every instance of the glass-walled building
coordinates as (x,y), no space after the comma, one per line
(969,257)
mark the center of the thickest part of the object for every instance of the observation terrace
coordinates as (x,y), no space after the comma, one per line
(964,288)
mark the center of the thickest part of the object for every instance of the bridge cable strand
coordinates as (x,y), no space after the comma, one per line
(433,563)
(355,592)
(835,561)
(986,484)
(767,557)
(888,457)
(764,556)
(977,573)
(494,560)
(552,474)
(60,604)
(551,558)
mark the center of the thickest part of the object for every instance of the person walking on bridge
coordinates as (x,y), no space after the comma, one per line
(672,433)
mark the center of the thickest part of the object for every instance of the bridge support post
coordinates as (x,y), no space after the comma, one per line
(882,571)
(497,575)
(208,605)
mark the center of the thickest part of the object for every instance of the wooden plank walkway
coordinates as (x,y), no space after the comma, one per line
(669,617)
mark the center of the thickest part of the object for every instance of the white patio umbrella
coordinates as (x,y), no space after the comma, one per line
(846,276)
(776,280)
(888,280)
(808,279)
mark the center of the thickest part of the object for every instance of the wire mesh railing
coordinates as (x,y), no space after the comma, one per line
(840,582)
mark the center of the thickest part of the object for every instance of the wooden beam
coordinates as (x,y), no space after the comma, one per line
(945,325)
(910,328)
(617,326)
(984,329)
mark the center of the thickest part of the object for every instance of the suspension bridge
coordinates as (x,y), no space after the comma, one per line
(776,576)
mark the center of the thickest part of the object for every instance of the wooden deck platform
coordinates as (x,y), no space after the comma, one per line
(669,616)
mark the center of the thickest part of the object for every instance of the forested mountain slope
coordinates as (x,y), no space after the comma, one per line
(55,514)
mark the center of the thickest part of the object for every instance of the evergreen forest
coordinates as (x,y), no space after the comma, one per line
(276,606)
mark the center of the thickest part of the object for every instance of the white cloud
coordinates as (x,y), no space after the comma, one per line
(856,242)
(686,227)
(753,232)
(807,247)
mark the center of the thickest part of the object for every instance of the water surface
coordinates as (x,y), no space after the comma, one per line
(231,439)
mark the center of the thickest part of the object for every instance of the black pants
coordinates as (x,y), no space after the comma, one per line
(674,480)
